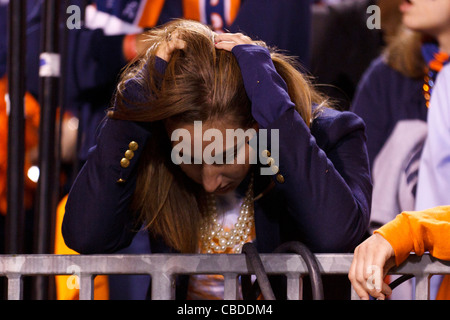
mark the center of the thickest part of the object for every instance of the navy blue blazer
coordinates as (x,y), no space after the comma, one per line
(323,199)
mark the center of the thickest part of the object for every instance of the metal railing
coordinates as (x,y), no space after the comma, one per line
(164,267)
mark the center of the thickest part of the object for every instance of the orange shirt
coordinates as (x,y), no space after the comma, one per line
(418,232)
(67,286)
(32,116)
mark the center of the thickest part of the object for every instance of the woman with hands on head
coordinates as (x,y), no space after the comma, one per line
(318,191)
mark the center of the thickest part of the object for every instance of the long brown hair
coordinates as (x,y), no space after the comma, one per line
(200,83)
(403,53)
(403,46)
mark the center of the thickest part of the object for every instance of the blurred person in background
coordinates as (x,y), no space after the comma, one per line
(342,47)
(421,230)
(393,98)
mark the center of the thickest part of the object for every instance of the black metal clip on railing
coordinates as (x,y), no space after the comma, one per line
(394,284)
(263,284)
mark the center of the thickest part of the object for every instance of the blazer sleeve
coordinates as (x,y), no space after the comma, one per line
(326,180)
(323,173)
(97,217)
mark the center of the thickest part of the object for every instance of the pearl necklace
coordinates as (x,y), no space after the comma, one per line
(213,236)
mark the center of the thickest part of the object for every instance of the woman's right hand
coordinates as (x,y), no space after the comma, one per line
(171,43)
(227,41)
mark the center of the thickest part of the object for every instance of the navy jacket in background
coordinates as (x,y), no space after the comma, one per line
(383,98)
(33,12)
(283,24)
(3,38)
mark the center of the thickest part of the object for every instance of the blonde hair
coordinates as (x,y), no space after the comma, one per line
(200,83)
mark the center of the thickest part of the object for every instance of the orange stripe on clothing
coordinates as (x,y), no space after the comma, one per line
(191,9)
(151,13)
(439,60)
(234,9)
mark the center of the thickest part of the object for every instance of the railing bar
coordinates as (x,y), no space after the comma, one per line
(294,287)
(354,295)
(15,287)
(231,288)
(163,286)
(422,287)
(53,264)
(163,267)
(86,287)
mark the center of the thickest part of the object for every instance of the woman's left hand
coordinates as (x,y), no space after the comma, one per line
(371,261)
(227,41)
(169,45)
